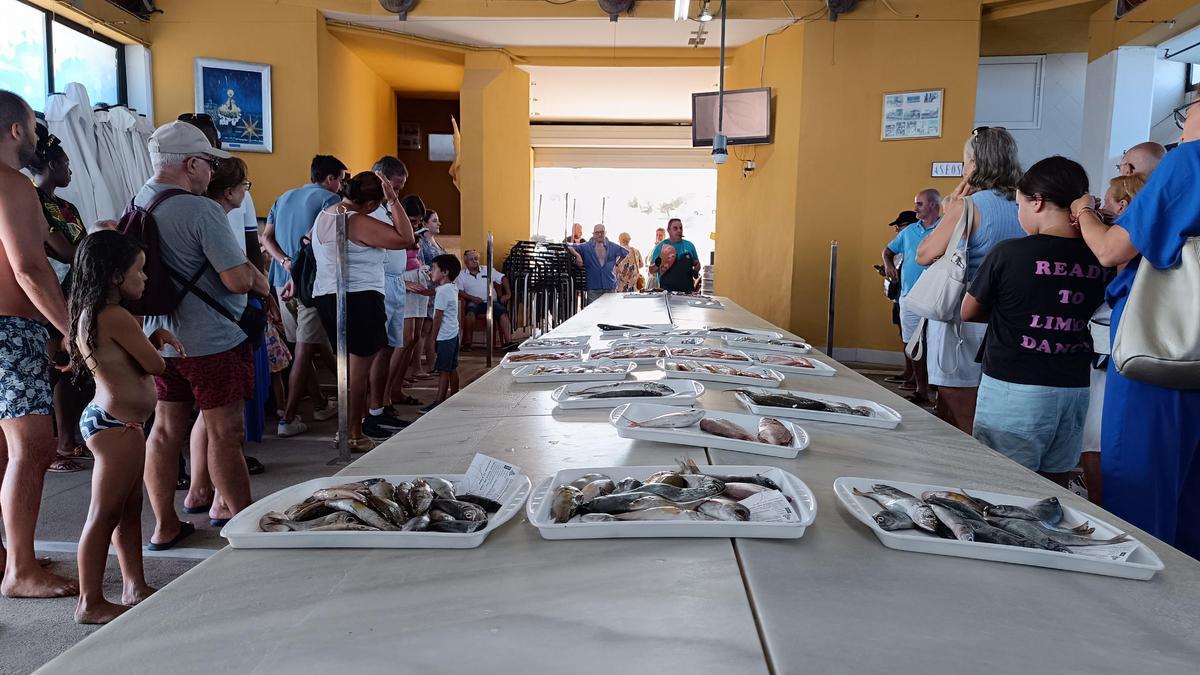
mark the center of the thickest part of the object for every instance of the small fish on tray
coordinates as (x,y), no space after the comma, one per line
(785,360)
(708,353)
(624,390)
(714,368)
(533,357)
(751,340)
(576,370)
(551,343)
(770,430)
(629,352)
(786,400)
(422,505)
(620,327)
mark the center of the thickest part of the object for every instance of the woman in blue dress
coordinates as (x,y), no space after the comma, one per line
(1150,440)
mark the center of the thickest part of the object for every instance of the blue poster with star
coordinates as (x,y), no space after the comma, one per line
(237,96)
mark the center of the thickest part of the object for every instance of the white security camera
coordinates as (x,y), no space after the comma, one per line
(720,149)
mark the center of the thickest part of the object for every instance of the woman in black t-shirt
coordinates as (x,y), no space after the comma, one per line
(1037,295)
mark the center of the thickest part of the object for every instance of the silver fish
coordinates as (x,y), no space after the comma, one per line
(719,508)
(672,420)
(457,526)
(618,389)
(1009,511)
(565,503)
(597,488)
(726,429)
(668,478)
(420,496)
(347,526)
(990,534)
(363,512)
(688,467)
(593,518)
(952,519)
(709,488)
(897,500)
(340,492)
(1039,533)
(388,509)
(460,510)
(740,491)
(417,523)
(307,510)
(1048,510)
(614,503)
(663,513)
(436,516)
(441,487)
(959,507)
(586,478)
(651,502)
(384,490)
(626,484)
(890,521)
(278,522)
(971,503)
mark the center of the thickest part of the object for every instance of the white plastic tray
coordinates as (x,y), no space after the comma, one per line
(819,368)
(648,360)
(756,343)
(507,361)
(883,417)
(668,332)
(707,303)
(620,418)
(775,377)
(745,331)
(1142,563)
(523,375)
(540,344)
(674,353)
(686,393)
(801,497)
(242,530)
(641,296)
(658,328)
(659,341)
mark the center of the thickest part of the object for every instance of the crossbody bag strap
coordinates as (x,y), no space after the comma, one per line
(189,286)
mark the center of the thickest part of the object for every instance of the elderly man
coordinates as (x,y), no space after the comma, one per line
(29,297)
(576,235)
(1142,158)
(675,260)
(217,373)
(928,208)
(598,257)
(472,288)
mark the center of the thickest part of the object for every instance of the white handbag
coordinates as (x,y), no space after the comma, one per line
(938,293)
(1158,338)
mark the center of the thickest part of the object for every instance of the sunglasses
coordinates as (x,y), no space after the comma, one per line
(200,117)
(1181,113)
(213,162)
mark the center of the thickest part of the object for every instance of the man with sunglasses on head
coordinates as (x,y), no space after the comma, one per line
(1142,158)
(216,372)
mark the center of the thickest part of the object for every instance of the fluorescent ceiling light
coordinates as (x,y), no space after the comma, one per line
(681,9)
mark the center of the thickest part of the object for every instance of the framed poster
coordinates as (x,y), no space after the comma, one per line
(912,114)
(237,96)
(408,136)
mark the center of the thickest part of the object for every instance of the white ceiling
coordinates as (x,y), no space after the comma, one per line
(565,32)
(616,94)
(1183,47)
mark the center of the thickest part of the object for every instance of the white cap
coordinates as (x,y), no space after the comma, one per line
(181,138)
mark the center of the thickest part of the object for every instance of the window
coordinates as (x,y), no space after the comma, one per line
(1193,77)
(41,52)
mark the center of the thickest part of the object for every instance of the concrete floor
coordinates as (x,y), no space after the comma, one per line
(34,631)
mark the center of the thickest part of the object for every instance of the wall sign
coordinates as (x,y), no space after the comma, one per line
(237,96)
(912,114)
(947,170)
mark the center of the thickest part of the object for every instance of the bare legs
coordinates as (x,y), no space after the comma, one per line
(200,491)
(115,513)
(956,405)
(428,345)
(25,454)
(360,375)
(1090,461)
(379,396)
(400,363)
(303,379)
(447,385)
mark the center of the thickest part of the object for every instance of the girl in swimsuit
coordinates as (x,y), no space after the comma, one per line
(107,341)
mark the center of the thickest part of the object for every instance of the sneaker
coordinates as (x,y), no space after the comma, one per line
(427,408)
(294,428)
(375,430)
(388,421)
(329,412)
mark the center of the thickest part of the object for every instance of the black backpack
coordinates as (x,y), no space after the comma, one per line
(160,296)
(304,273)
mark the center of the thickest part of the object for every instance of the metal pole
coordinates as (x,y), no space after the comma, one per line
(490,263)
(603,204)
(667,301)
(566,215)
(539,216)
(343,359)
(833,255)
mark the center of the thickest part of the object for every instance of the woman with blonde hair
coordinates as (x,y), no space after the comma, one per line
(629,269)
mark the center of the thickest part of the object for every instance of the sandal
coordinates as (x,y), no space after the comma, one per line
(64,466)
(78,452)
(363,444)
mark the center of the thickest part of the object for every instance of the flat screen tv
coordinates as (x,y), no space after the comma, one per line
(747,117)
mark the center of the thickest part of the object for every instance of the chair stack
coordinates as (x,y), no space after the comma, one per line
(546,285)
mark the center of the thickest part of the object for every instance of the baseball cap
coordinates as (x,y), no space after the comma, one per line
(905,218)
(181,138)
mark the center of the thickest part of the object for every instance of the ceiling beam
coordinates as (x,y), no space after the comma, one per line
(995,10)
(531,9)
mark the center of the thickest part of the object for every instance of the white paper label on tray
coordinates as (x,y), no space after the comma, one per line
(769,506)
(488,477)
(1113,552)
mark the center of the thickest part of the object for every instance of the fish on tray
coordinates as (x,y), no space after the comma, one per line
(785,400)
(785,360)
(624,390)
(958,515)
(777,342)
(376,505)
(708,353)
(576,370)
(629,352)
(541,343)
(714,368)
(615,327)
(529,357)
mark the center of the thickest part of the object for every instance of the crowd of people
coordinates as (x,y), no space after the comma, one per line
(171,333)
(1024,365)
(673,265)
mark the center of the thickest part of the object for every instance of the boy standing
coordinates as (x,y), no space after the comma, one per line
(443,271)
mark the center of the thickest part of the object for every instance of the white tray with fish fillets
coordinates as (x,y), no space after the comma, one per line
(658,341)
(561,357)
(1132,560)
(722,355)
(583,394)
(791,524)
(880,416)
(817,368)
(579,373)
(647,353)
(668,333)
(548,343)
(760,343)
(243,531)
(626,419)
(762,377)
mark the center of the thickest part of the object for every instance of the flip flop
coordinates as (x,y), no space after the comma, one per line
(193,510)
(218,522)
(61,465)
(186,529)
(80,451)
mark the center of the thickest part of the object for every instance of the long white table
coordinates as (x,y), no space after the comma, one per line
(834,601)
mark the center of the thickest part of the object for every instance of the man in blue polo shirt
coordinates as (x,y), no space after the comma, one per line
(291,218)
(677,272)
(928,207)
(598,257)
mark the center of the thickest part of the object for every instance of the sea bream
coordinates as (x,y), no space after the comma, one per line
(897,500)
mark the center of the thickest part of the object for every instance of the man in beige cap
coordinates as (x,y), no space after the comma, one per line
(217,373)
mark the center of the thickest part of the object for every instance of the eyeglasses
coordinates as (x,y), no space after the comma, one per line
(213,162)
(1121,167)
(1181,113)
(345,177)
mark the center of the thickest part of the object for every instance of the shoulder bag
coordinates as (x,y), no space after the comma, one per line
(937,295)
(1158,337)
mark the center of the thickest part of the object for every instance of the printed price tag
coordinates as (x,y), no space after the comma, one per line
(769,506)
(1114,552)
(488,477)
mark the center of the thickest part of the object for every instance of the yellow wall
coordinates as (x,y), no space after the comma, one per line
(843,182)
(357,108)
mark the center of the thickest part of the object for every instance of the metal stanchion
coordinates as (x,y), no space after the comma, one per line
(833,255)
(667,302)
(343,359)
(488,321)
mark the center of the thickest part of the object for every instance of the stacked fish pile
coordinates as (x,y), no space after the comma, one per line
(770,430)
(794,402)
(717,369)
(685,494)
(957,515)
(423,505)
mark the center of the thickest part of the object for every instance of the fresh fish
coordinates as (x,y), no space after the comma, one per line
(1048,510)
(418,523)
(668,478)
(726,429)
(614,503)
(727,329)
(460,510)
(652,502)
(785,360)
(597,488)
(672,420)
(740,491)
(719,508)
(890,521)
(443,488)
(1009,511)
(990,534)
(487,504)
(897,500)
(403,494)
(307,510)
(388,509)
(773,432)
(457,526)
(364,513)
(565,502)
(523,357)
(586,478)
(383,489)
(794,402)
(959,507)
(709,488)
(346,526)
(628,483)
(625,390)
(971,503)
(1038,532)
(687,466)
(593,518)
(663,513)
(436,516)
(612,328)
(420,496)
(339,492)
(958,525)
(1029,530)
